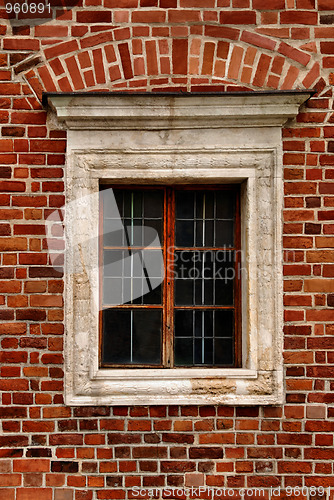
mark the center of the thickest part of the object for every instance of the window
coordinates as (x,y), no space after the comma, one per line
(176,304)
(227,144)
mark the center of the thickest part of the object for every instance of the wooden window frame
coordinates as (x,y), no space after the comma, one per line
(167,303)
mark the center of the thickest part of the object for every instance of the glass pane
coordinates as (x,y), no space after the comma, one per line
(132,217)
(131,336)
(184,272)
(132,277)
(184,323)
(224,231)
(184,233)
(153,204)
(152,229)
(204,204)
(112,291)
(153,297)
(133,207)
(113,233)
(113,261)
(225,204)
(224,323)
(116,336)
(206,329)
(184,204)
(147,336)
(224,284)
(112,203)
(184,292)
(203,351)
(223,352)
(183,352)
(134,232)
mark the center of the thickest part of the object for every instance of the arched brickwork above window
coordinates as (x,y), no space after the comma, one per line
(225,58)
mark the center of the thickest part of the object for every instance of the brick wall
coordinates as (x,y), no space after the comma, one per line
(54,452)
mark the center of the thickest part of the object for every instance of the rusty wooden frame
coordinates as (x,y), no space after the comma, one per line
(167,303)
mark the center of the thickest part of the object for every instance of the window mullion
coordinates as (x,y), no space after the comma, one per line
(168,320)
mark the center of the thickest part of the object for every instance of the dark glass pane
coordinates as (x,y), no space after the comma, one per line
(184,233)
(208,323)
(223,352)
(208,236)
(147,336)
(183,323)
(116,336)
(133,207)
(225,204)
(204,323)
(224,323)
(184,204)
(204,233)
(131,337)
(224,233)
(206,329)
(183,352)
(153,297)
(198,351)
(184,264)
(208,351)
(184,273)
(153,204)
(184,292)
(204,204)
(137,205)
(224,284)
(203,351)
(127,203)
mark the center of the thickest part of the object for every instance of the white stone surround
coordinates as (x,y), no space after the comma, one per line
(193,139)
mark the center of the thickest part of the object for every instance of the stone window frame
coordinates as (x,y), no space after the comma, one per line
(168,139)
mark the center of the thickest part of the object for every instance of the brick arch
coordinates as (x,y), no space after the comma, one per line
(222,57)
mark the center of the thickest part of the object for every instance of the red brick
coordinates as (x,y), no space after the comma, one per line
(239,17)
(20,44)
(60,49)
(33,493)
(222,32)
(148,16)
(75,74)
(126,60)
(325,5)
(235,62)
(295,54)
(51,31)
(262,70)
(290,78)
(180,56)
(304,17)
(209,49)
(183,16)
(257,40)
